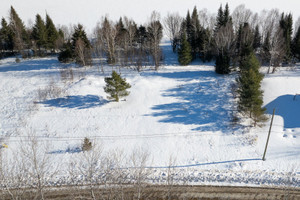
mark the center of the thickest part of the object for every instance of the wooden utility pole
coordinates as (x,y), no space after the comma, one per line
(264,156)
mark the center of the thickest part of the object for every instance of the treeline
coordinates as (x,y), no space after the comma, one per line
(201,35)
(122,42)
(37,40)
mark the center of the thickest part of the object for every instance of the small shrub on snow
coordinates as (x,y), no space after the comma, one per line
(87,144)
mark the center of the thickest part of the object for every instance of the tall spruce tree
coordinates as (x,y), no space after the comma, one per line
(20,36)
(39,32)
(296,45)
(184,52)
(286,24)
(116,86)
(219,20)
(256,39)
(6,36)
(52,33)
(223,40)
(245,37)
(266,47)
(81,46)
(249,82)
(195,32)
(189,28)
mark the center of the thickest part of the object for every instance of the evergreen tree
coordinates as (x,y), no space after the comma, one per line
(184,52)
(78,49)
(81,46)
(226,17)
(250,95)
(286,24)
(224,42)
(116,86)
(189,28)
(266,56)
(205,45)
(39,32)
(245,38)
(52,34)
(79,32)
(220,20)
(257,39)
(195,33)
(67,54)
(20,36)
(6,36)
(223,63)
(296,45)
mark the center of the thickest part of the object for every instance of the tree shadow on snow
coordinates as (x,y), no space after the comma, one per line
(30,65)
(207,103)
(78,102)
(288,107)
(68,150)
(171,58)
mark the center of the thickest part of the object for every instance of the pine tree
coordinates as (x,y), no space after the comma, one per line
(39,32)
(257,39)
(81,46)
(184,52)
(195,31)
(266,56)
(52,34)
(220,20)
(67,54)
(286,24)
(6,36)
(20,36)
(226,18)
(223,41)
(223,63)
(189,28)
(245,38)
(296,45)
(249,82)
(116,86)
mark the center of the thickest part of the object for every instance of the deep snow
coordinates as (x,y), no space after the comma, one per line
(183,112)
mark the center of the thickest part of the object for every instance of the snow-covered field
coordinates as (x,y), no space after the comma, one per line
(179,112)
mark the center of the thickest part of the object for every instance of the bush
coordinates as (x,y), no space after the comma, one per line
(66,55)
(87,144)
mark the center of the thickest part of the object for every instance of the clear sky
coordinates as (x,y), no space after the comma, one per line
(89,12)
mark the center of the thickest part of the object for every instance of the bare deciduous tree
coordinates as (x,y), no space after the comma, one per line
(170,176)
(108,35)
(35,158)
(90,166)
(13,176)
(269,21)
(172,24)
(240,15)
(155,35)
(277,49)
(225,39)
(139,160)
(80,52)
